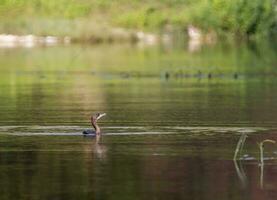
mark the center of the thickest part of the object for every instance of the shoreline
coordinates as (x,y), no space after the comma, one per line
(115,35)
(193,35)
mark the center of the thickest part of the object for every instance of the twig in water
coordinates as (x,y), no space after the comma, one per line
(261,146)
(239,168)
(240,145)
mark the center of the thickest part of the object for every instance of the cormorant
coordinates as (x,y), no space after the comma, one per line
(94,119)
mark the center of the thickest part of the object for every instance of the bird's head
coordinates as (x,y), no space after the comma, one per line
(97,116)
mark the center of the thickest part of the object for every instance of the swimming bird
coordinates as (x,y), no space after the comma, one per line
(94,119)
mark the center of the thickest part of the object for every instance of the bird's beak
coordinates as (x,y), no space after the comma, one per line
(101,115)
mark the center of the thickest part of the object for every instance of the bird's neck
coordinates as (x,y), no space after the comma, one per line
(96,127)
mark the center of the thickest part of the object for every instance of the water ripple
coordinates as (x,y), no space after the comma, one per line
(122,130)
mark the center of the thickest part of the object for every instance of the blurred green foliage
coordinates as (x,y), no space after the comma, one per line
(239,17)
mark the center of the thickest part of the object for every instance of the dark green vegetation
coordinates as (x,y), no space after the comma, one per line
(91,18)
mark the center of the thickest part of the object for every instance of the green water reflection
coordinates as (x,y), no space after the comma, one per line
(167,136)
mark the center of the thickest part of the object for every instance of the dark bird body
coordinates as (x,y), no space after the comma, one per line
(96,131)
(89,132)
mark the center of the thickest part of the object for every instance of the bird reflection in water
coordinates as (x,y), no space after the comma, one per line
(99,150)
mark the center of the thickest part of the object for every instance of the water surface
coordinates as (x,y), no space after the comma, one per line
(174,117)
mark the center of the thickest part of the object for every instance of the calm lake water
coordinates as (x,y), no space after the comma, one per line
(174,117)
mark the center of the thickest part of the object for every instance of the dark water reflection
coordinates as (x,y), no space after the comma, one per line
(163,138)
(129,167)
